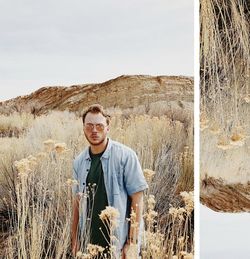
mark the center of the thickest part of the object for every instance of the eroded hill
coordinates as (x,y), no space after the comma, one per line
(122,92)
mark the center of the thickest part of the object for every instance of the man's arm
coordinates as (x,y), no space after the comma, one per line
(137,208)
(74,229)
(135,183)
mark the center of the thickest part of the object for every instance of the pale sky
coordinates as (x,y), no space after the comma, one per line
(224,235)
(52,43)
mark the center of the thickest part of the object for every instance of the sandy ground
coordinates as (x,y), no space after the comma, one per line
(224,235)
(229,162)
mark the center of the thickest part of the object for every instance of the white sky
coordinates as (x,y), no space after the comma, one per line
(63,42)
(224,235)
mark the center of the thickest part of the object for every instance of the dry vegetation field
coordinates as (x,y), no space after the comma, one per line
(225,93)
(36,157)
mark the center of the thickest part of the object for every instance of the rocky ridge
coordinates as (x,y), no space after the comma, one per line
(122,92)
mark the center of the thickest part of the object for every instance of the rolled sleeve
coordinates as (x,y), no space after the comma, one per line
(133,175)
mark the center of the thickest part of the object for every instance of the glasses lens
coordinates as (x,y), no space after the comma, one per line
(90,127)
(99,127)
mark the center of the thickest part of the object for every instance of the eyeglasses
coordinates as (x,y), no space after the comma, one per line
(99,127)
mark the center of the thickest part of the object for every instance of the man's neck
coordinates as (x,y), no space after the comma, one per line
(100,148)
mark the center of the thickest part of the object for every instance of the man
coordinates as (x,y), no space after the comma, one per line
(112,176)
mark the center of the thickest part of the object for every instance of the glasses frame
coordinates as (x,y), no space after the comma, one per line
(98,126)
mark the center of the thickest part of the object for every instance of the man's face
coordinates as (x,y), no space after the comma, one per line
(95,128)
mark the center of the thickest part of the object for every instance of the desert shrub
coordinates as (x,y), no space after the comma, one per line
(15,125)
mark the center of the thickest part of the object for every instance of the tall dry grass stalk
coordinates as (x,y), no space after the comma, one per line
(225,62)
(36,193)
(40,214)
(175,240)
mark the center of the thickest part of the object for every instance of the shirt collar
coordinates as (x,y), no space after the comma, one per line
(106,153)
(107,150)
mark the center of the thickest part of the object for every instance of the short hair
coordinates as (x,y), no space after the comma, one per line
(96,108)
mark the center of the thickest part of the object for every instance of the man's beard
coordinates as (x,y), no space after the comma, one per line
(95,143)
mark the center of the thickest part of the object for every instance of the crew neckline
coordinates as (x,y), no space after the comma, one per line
(98,154)
(95,155)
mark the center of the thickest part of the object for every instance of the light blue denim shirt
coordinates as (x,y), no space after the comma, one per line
(123,176)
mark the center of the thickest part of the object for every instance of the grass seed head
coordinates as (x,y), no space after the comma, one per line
(148,174)
(49,145)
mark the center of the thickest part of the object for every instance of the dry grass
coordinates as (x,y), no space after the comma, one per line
(15,125)
(225,62)
(36,193)
(225,80)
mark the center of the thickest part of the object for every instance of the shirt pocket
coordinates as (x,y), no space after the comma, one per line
(116,188)
(117,180)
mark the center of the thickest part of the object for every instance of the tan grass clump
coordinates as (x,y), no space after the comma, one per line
(148,174)
(15,125)
(177,243)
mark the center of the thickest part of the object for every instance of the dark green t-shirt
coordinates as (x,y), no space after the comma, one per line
(97,201)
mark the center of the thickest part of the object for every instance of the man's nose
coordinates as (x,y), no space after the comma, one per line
(94,128)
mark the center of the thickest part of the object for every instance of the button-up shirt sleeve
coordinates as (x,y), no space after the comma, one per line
(133,175)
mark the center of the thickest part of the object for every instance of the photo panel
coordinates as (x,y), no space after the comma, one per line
(224,128)
(97,129)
